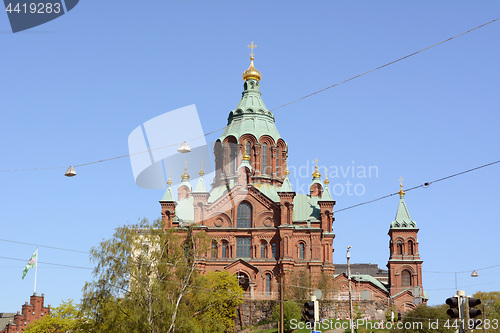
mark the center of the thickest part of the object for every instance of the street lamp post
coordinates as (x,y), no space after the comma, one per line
(348,255)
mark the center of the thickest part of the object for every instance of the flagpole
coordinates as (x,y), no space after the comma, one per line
(36,270)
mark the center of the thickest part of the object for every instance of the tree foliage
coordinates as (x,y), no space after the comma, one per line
(63,318)
(426,315)
(145,280)
(491,302)
(291,310)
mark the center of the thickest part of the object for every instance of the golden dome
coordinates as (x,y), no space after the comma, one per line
(169,181)
(286,170)
(326,178)
(316,173)
(251,73)
(185,175)
(401,192)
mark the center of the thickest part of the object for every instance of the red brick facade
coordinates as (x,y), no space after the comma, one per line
(29,313)
(261,228)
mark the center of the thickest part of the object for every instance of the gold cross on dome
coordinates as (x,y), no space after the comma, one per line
(401,180)
(316,161)
(252,46)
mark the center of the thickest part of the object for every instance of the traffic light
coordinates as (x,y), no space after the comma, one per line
(309,312)
(454,310)
(473,313)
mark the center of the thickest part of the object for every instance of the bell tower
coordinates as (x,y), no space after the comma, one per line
(405,265)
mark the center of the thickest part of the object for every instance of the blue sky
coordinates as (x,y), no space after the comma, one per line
(73,89)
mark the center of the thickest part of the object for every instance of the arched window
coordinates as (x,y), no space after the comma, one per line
(410,247)
(264,158)
(399,247)
(268,283)
(405,279)
(274,250)
(224,249)
(244,216)
(214,250)
(277,161)
(263,250)
(232,158)
(302,250)
(249,149)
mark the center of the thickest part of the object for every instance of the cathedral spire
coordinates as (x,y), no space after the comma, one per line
(287,186)
(168,196)
(326,192)
(251,73)
(200,187)
(401,191)
(316,174)
(403,218)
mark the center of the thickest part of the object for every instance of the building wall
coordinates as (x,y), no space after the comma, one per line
(30,312)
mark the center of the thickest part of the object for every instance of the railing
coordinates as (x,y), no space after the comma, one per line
(261,295)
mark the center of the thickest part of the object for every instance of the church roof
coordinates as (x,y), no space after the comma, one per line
(185,210)
(306,208)
(287,186)
(251,115)
(403,219)
(168,196)
(200,186)
(369,278)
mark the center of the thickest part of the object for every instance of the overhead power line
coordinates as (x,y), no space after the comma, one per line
(47,263)
(276,108)
(426,184)
(45,246)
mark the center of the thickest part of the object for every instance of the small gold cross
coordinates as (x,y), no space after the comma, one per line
(252,46)
(401,180)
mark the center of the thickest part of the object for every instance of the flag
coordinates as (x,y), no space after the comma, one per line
(31,263)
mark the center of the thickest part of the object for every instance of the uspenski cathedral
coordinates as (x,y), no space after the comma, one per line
(263,231)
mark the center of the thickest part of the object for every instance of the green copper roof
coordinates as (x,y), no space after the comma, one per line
(403,219)
(185,182)
(269,191)
(306,208)
(287,186)
(185,210)
(168,196)
(251,116)
(245,163)
(217,192)
(326,194)
(200,187)
(369,278)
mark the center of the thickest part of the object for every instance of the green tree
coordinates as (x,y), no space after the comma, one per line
(426,315)
(491,302)
(291,310)
(145,281)
(217,302)
(63,318)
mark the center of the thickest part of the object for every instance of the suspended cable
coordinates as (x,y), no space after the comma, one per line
(276,108)
(45,246)
(426,184)
(47,263)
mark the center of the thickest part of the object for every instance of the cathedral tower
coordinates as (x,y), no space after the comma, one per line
(405,265)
